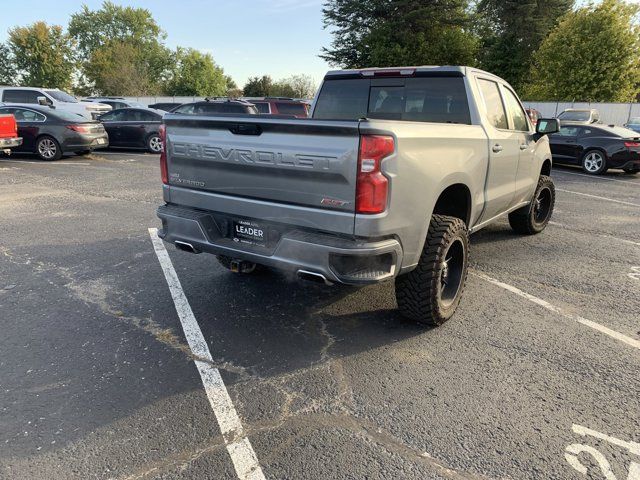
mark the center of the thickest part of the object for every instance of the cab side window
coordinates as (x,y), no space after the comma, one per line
(496,113)
(21,96)
(516,113)
(185,109)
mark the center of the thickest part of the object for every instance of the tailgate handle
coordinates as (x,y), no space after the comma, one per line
(245,129)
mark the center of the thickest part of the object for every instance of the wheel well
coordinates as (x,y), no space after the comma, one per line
(546,168)
(455,201)
(595,149)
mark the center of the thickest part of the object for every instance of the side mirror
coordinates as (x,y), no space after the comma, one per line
(547,126)
(44,101)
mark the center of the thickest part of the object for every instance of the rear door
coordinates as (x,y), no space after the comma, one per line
(29,124)
(504,151)
(112,123)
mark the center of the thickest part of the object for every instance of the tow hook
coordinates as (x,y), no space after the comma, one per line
(241,266)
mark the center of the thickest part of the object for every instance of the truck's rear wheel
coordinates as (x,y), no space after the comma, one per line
(431,292)
(534,217)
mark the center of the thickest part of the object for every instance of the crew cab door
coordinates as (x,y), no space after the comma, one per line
(504,151)
(526,173)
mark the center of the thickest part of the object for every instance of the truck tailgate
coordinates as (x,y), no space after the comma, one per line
(303,162)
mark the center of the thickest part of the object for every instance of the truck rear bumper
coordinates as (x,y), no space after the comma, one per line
(10,142)
(338,259)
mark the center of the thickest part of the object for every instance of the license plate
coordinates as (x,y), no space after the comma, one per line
(251,233)
(101,141)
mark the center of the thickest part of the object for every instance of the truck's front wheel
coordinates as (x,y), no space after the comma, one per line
(534,217)
(431,292)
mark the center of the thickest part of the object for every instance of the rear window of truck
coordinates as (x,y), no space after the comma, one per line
(422,99)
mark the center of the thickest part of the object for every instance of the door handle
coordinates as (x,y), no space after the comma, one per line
(523,146)
(497,148)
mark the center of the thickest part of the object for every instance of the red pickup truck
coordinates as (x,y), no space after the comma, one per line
(9,133)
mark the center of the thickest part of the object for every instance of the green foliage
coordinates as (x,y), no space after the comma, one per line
(112,22)
(258,86)
(116,39)
(399,32)
(296,86)
(511,30)
(42,55)
(195,73)
(592,55)
(7,65)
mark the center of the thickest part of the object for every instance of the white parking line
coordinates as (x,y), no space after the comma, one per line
(589,323)
(598,197)
(595,177)
(603,235)
(238,445)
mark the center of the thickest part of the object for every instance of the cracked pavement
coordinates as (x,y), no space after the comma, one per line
(97,380)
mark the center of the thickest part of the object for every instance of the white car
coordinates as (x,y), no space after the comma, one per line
(54,98)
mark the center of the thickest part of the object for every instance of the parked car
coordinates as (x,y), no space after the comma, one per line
(597,148)
(54,98)
(8,133)
(384,182)
(633,124)
(165,106)
(534,115)
(49,133)
(280,106)
(134,128)
(216,106)
(580,115)
(115,102)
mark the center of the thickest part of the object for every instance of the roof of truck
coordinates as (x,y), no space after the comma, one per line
(448,70)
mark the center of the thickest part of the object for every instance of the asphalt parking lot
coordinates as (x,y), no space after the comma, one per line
(536,377)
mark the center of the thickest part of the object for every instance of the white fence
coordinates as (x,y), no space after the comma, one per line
(152,100)
(610,113)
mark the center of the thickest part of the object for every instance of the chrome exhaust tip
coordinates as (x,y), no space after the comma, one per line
(185,247)
(313,277)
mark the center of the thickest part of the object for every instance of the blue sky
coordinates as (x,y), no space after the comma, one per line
(245,37)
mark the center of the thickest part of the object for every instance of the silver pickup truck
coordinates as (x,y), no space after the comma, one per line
(386,180)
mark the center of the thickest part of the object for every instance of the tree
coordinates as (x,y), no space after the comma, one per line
(92,29)
(511,30)
(7,65)
(42,55)
(399,32)
(258,86)
(302,86)
(195,74)
(592,55)
(117,69)
(113,29)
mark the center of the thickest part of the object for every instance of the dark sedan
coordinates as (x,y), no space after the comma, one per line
(134,128)
(165,106)
(49,133)
(207,107)
(633,124)
(597,148)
